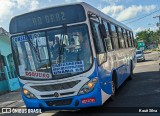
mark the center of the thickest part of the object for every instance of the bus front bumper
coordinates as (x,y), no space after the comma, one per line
(68,103)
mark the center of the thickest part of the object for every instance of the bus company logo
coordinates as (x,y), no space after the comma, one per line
(56,94)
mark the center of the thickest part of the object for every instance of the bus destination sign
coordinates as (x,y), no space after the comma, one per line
(45,18)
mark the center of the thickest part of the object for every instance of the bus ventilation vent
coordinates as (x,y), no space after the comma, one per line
(59,102)
(59,86)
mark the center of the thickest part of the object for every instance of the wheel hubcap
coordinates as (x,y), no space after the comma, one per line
(113,87)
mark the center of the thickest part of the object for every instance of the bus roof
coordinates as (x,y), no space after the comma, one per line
(87,7)
(105,16)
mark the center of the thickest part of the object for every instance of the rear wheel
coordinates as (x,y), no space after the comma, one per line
(131,72)
(114,86)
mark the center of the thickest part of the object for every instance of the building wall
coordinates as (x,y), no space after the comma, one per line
(8,75)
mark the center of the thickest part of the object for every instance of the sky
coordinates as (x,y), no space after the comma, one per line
(136,14)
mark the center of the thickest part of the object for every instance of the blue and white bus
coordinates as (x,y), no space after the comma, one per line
(71,56)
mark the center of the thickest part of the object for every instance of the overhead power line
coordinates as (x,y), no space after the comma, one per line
(141,17)
(131,18)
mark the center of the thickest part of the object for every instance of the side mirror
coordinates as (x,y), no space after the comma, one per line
(102,30)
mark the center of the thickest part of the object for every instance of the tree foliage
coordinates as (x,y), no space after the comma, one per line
(148,36)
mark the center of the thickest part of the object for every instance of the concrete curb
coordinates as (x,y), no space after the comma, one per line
(5,104)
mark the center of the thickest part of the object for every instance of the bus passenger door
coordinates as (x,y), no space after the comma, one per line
(105,82)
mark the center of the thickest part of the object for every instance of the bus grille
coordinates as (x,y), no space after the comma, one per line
(59,102)
(60,86)
(61,94)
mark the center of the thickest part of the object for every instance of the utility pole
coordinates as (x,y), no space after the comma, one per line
(158,24)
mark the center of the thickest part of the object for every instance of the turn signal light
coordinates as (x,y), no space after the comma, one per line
(25,91)
(90,85)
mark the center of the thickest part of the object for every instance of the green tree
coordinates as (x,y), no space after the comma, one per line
(148,36)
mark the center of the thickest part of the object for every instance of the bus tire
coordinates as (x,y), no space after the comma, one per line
(114,85)
(131,72)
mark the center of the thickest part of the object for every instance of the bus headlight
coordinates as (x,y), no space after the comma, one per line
(88,87)
(28,94)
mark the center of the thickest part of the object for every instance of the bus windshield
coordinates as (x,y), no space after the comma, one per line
(53,54)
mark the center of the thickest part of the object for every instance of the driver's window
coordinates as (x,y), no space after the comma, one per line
(97,37)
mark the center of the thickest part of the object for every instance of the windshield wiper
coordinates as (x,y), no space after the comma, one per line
(32,46)
(61,46)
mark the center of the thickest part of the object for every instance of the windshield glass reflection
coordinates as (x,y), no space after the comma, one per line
(70,52)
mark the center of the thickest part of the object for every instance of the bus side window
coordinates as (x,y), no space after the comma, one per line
(97,37)
(132,39)
(125,37)
(108,42)
(121,39)
(114,37)
(129,39)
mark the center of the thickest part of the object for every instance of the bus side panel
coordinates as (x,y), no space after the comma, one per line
(123,64)
(121,74)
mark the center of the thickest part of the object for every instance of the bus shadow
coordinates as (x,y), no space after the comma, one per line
(125,87)
(149,60)
(94,111)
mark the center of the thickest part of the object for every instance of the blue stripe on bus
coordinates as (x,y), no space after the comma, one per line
(105,77)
